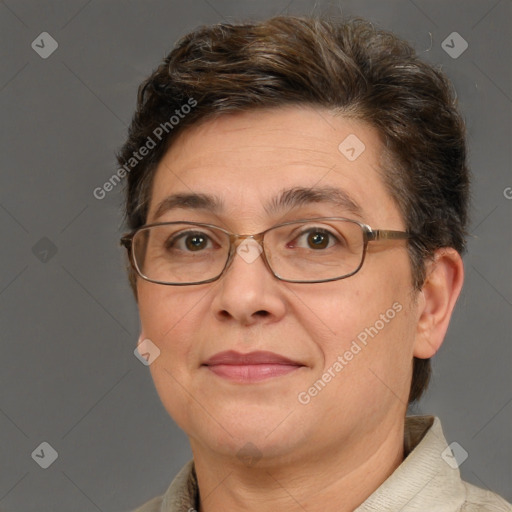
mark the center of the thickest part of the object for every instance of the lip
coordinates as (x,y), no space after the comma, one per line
(250,367)
(259,357)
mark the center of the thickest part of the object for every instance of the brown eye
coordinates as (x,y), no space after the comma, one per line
(196,242)
(318,240)
(189,241)
(315,238)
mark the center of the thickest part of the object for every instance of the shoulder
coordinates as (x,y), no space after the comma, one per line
(480,500)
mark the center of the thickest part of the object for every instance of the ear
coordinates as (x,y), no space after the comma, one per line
(442,286)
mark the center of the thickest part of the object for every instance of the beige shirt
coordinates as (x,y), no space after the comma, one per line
(428,480)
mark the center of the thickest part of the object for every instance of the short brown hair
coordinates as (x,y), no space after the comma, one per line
(349,67)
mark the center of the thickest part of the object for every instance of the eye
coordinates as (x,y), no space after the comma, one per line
(191,241)
(315,238)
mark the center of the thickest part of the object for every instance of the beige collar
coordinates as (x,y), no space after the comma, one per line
(428,479)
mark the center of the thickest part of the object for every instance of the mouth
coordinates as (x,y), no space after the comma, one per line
(250,367)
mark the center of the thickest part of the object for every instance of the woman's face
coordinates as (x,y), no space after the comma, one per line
(365,323)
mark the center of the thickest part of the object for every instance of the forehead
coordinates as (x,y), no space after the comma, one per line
(247,162)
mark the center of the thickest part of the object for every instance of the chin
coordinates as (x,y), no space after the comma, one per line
(247,433)
(249,447)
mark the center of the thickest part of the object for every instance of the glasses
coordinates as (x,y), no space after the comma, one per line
(303,251)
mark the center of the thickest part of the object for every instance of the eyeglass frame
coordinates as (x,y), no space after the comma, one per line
(369,235)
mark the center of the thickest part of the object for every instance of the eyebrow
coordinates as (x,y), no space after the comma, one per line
(301,196)
(192,201)
(288,199)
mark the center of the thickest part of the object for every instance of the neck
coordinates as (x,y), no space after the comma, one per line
(333,480)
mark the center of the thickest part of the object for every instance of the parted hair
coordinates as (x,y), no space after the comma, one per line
(347,66)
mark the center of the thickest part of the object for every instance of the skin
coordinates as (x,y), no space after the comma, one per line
(332,453)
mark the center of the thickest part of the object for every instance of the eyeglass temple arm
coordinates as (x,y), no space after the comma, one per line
(386,234)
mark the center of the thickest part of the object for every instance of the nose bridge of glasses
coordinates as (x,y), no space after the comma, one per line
(236,240)
(247,247)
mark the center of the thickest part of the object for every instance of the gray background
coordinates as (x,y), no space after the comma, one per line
(68,322)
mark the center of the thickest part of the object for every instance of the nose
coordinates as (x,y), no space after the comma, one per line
(248,292)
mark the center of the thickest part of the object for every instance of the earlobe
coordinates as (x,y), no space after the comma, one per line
(442,286)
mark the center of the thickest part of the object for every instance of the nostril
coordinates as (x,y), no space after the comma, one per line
(227,315)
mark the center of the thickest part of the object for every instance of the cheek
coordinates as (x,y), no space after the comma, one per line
(164,310)
(370,338)
(169,318)
(350,308)
(366,373)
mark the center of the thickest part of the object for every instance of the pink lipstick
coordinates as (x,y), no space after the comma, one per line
(250,367)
